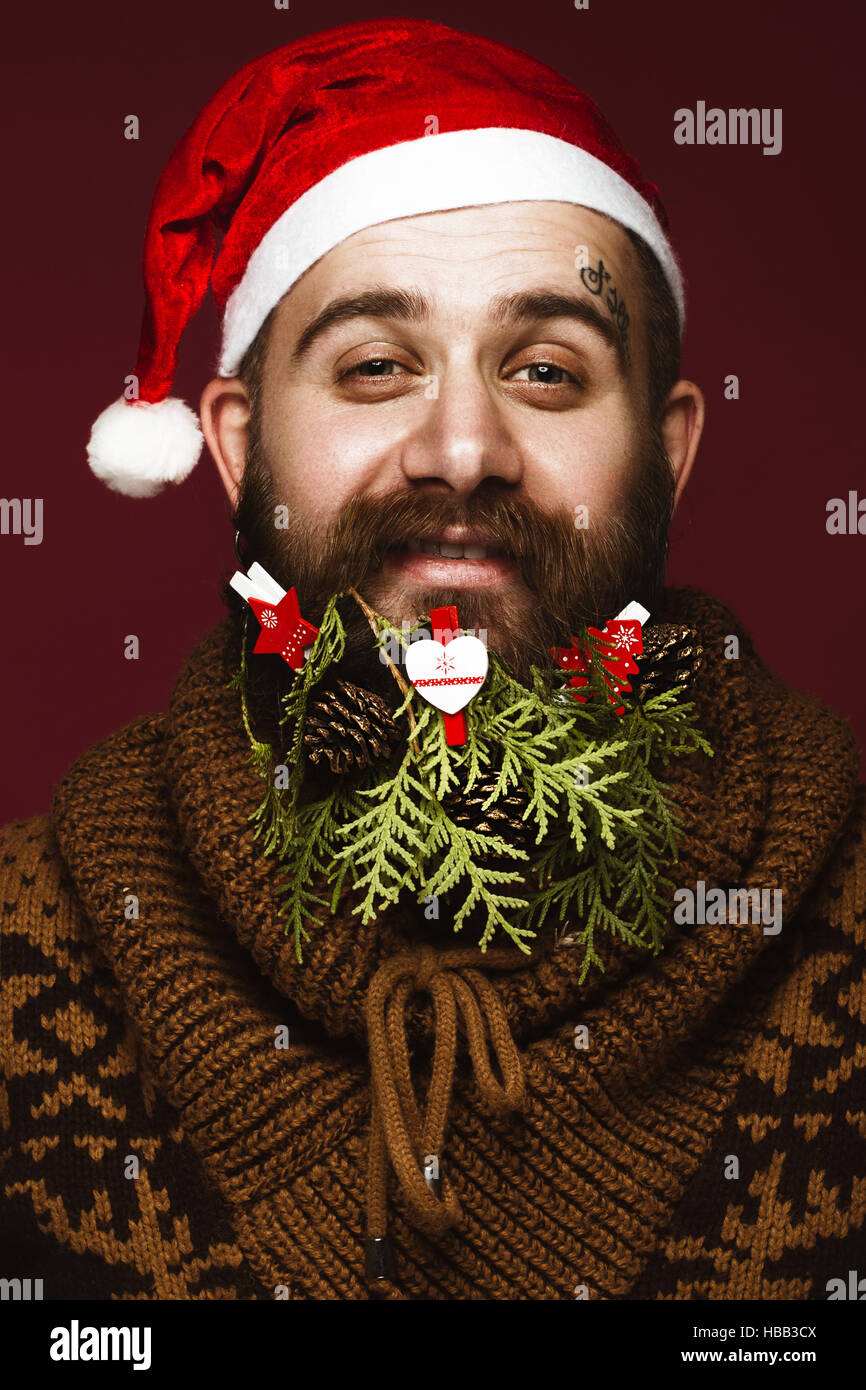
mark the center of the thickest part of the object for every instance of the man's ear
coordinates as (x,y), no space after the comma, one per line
(681,426)
(224,412)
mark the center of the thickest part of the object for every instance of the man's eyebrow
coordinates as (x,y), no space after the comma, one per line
(410,306)
(380,303)
(513,309)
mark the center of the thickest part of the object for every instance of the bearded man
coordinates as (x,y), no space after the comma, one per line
(449,388)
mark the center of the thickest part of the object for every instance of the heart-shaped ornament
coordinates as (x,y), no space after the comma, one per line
(447,674)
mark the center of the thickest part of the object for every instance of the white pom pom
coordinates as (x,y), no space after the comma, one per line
(136,447)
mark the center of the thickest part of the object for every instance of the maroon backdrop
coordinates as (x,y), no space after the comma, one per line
(771,247)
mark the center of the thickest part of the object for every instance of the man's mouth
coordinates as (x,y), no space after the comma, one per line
(454,557)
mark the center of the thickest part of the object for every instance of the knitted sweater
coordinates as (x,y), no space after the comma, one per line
(160,1140)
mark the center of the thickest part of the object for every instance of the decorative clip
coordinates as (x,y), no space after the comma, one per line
(448,673)
(284,631)
(620,640)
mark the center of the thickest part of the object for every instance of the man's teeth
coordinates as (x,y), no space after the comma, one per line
(452,551)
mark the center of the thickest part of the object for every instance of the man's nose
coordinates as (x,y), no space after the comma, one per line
(462,436)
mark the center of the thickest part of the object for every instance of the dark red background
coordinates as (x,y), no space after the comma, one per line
(771,246)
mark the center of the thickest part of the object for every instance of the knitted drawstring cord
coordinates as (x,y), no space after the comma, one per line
(397,1130)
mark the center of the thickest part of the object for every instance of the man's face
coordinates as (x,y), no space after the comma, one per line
(469,382)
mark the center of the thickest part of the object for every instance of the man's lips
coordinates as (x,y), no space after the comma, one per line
(457,542)
(465,571)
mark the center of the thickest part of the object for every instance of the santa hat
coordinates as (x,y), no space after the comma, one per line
(333,133)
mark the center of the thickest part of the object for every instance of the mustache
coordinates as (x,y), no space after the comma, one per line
(368,528)
(570,570)
(399,518)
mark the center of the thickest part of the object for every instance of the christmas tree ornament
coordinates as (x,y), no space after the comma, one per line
(350,727)
(448,678)
(324,137)
(614,649)
(283,631)
(672,656)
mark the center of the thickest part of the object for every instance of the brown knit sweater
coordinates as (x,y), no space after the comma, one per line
(261,1171)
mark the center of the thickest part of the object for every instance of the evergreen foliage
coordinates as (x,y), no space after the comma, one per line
(604,825)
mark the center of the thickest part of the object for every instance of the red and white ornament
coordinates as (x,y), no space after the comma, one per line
(284,632)
(447,676)
(616,645)
(450,673)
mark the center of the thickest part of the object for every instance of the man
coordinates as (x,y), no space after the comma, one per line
(449,385)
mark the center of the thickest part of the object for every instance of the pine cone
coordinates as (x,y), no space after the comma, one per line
(672,656)
(503,817)
(350,726)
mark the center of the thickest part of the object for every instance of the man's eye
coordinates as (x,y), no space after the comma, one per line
(547,374)
(379,366)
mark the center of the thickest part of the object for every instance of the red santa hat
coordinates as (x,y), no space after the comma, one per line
(333,133)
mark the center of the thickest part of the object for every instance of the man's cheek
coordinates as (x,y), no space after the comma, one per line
(340,454)
(584,467)
(313,474)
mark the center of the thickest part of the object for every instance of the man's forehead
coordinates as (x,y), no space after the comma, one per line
(504,245)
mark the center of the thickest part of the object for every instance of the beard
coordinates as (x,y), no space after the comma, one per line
(571,577)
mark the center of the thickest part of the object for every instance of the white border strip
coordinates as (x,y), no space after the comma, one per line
(459,168)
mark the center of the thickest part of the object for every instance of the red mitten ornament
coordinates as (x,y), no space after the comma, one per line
(616,645)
